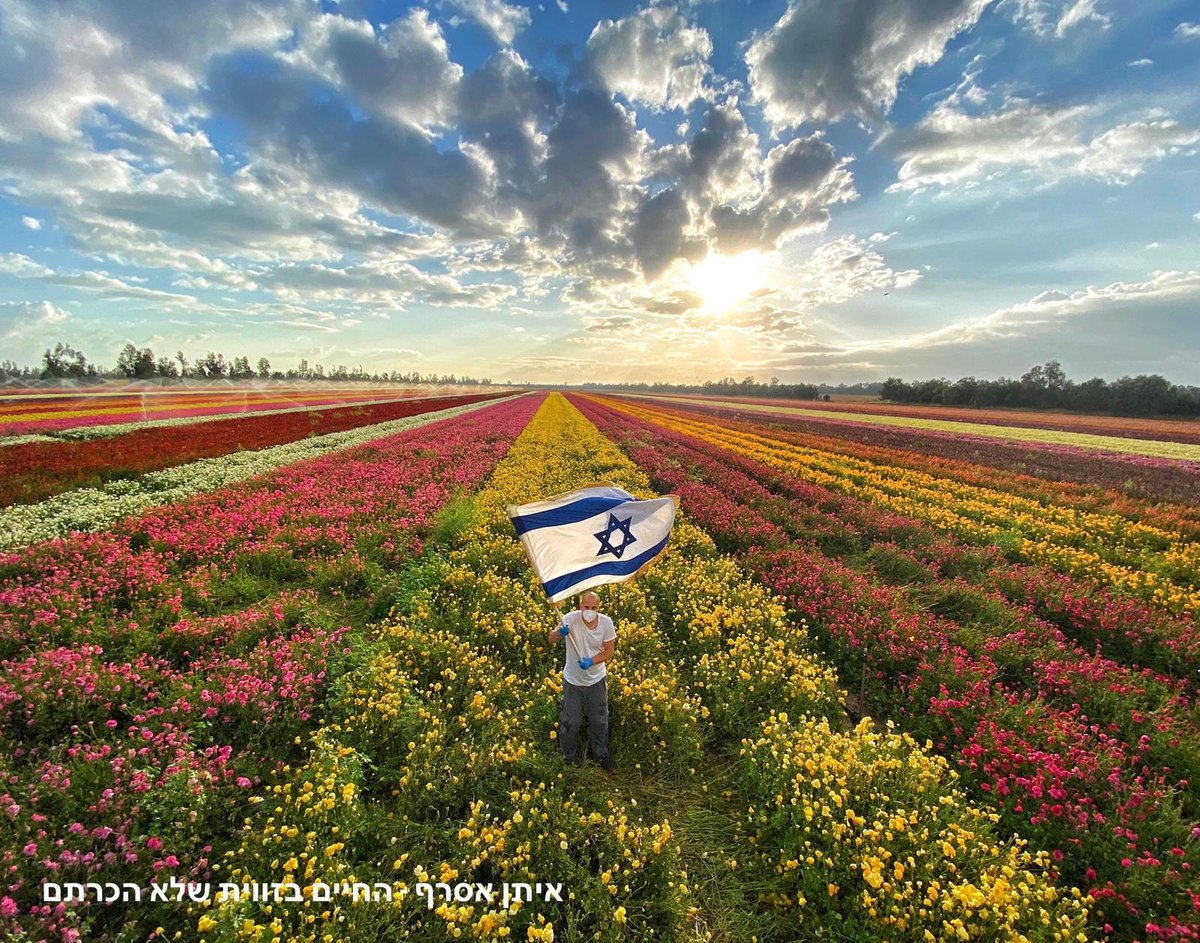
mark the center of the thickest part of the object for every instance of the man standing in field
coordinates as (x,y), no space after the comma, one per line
(590,638)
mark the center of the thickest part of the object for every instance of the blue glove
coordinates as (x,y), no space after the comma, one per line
(563,630)
(585,663)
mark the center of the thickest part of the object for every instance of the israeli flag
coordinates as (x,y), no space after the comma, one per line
(592,536)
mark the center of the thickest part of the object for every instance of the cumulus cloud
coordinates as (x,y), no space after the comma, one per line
(826,59)
(28,318)
(503,20)
(30,222)
(842,269)
(653,57)
(391,166)
(402,70)
(951,146)
(660,233)
(1188,31)
(803,179)
(64,61)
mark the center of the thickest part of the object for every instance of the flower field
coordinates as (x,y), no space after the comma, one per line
(1140,476)
(1161,449)
(1065,698)
(1165,430)
(32,471)
(43,413)
(866,694)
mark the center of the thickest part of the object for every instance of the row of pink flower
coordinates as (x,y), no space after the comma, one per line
(135,727)
(1001,698)
(105,585)
(1027,464)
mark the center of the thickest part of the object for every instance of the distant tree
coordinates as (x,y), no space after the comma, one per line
(65,361)
(239,369)
(1091,396)
(895,390)
(212,365)
(183,364)
(1141,395)
(963,392)
(264,367)
(166,367)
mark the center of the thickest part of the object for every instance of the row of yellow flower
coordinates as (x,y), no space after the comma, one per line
(438,763)
(1154,563)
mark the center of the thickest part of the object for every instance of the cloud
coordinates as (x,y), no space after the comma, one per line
(652,57)
(28,318)
(721,160)
(1049,308)
(107,286)
(951,146)
(1055,18)
(1079,12)
(826,59)
(296,123)
(503,20)
(1188,31)
(64,61)
(842,269)
(659,233)
(30,222)
(99,283)
(403,70)
(1138,63)
(803,179)
(22,266)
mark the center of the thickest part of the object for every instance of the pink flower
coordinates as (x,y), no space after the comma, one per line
(30,850)
(154,844)
(8,907)
(243,782)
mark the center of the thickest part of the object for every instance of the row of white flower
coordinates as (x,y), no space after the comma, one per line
(107,431)
(88,509)
(25,439)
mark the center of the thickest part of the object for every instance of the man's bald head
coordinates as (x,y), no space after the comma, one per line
(589,600)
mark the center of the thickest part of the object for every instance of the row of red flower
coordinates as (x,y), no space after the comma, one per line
(1025,464)
(997,688)
(35,470)
(142,698)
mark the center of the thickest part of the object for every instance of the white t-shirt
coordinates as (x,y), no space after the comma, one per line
(586,643)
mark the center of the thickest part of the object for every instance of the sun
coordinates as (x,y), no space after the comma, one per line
(722,281)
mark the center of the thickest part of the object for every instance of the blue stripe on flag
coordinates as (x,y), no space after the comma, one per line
(612,568)
(571,513)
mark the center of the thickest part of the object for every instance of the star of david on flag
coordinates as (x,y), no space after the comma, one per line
(592,536)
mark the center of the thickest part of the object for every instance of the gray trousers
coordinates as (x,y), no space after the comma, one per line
(578,703)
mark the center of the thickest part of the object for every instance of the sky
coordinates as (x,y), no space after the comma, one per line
(569,192)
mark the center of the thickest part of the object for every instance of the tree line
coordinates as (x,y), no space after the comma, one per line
(1047,387)
(134,363)
(727,386)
